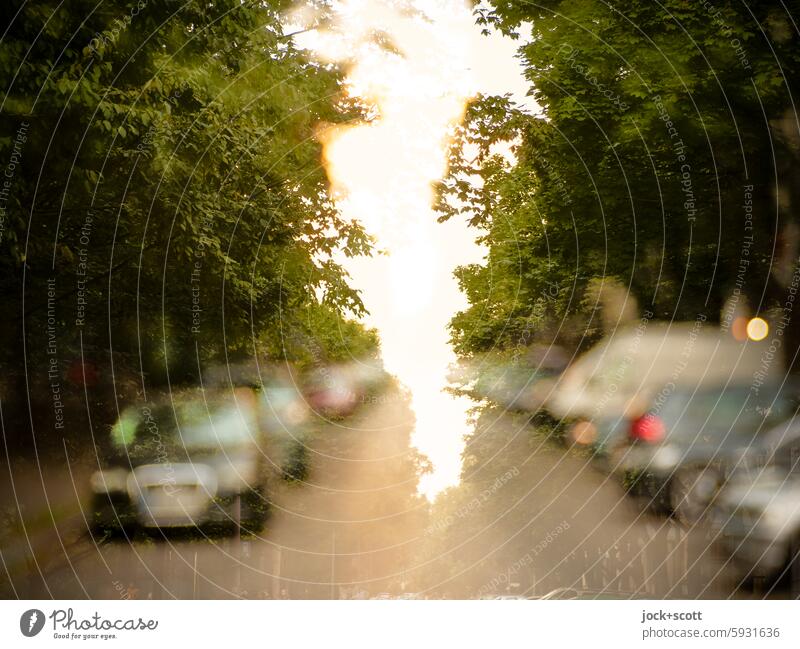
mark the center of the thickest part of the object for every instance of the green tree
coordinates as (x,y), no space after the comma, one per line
(656,120)
(167,208)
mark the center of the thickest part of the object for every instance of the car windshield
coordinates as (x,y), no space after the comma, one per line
(200,422)
(737,411)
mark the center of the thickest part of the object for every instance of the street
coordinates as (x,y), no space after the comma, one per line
(356,528)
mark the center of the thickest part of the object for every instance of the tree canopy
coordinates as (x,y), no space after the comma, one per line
(660,163)
(164,204)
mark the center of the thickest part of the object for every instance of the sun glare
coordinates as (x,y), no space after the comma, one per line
(412,63)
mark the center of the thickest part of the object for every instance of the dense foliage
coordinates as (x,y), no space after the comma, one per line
(164,205)
(661,163)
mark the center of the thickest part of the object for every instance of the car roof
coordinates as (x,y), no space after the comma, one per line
(644,358)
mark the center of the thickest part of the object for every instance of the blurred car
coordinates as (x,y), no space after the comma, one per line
(600,435)
(336,391)
(382,596)
(687,443)
(611,379)
(757,514)
(282,403)
(522,389)
(188,460)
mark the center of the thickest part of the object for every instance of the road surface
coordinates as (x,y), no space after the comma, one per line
(356,528)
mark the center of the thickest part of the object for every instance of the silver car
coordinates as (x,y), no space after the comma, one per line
(757,515)
(191,459)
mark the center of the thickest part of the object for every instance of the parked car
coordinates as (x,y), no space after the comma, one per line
(687,442)
(612,378)
(616,380)
(190,459)
(757,514)
(523,384)
(600,435)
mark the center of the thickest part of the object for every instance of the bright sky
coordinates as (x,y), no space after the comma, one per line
(382,175)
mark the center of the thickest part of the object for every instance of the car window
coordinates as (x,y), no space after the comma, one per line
(735,411)
(197,423)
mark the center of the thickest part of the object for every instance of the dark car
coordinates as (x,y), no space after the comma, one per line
(190,459)
(684,447)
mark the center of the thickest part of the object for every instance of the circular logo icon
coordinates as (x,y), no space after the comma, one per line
(31,622)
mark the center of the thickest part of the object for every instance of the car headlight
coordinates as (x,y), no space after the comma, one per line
(109,481)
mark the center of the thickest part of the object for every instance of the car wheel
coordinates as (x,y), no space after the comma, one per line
(691,491)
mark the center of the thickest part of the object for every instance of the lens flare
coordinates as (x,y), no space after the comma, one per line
(410,63)
(757,329)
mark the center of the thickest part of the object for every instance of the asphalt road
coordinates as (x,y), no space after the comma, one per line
(356,528)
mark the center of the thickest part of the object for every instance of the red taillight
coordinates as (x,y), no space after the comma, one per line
(647,428)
